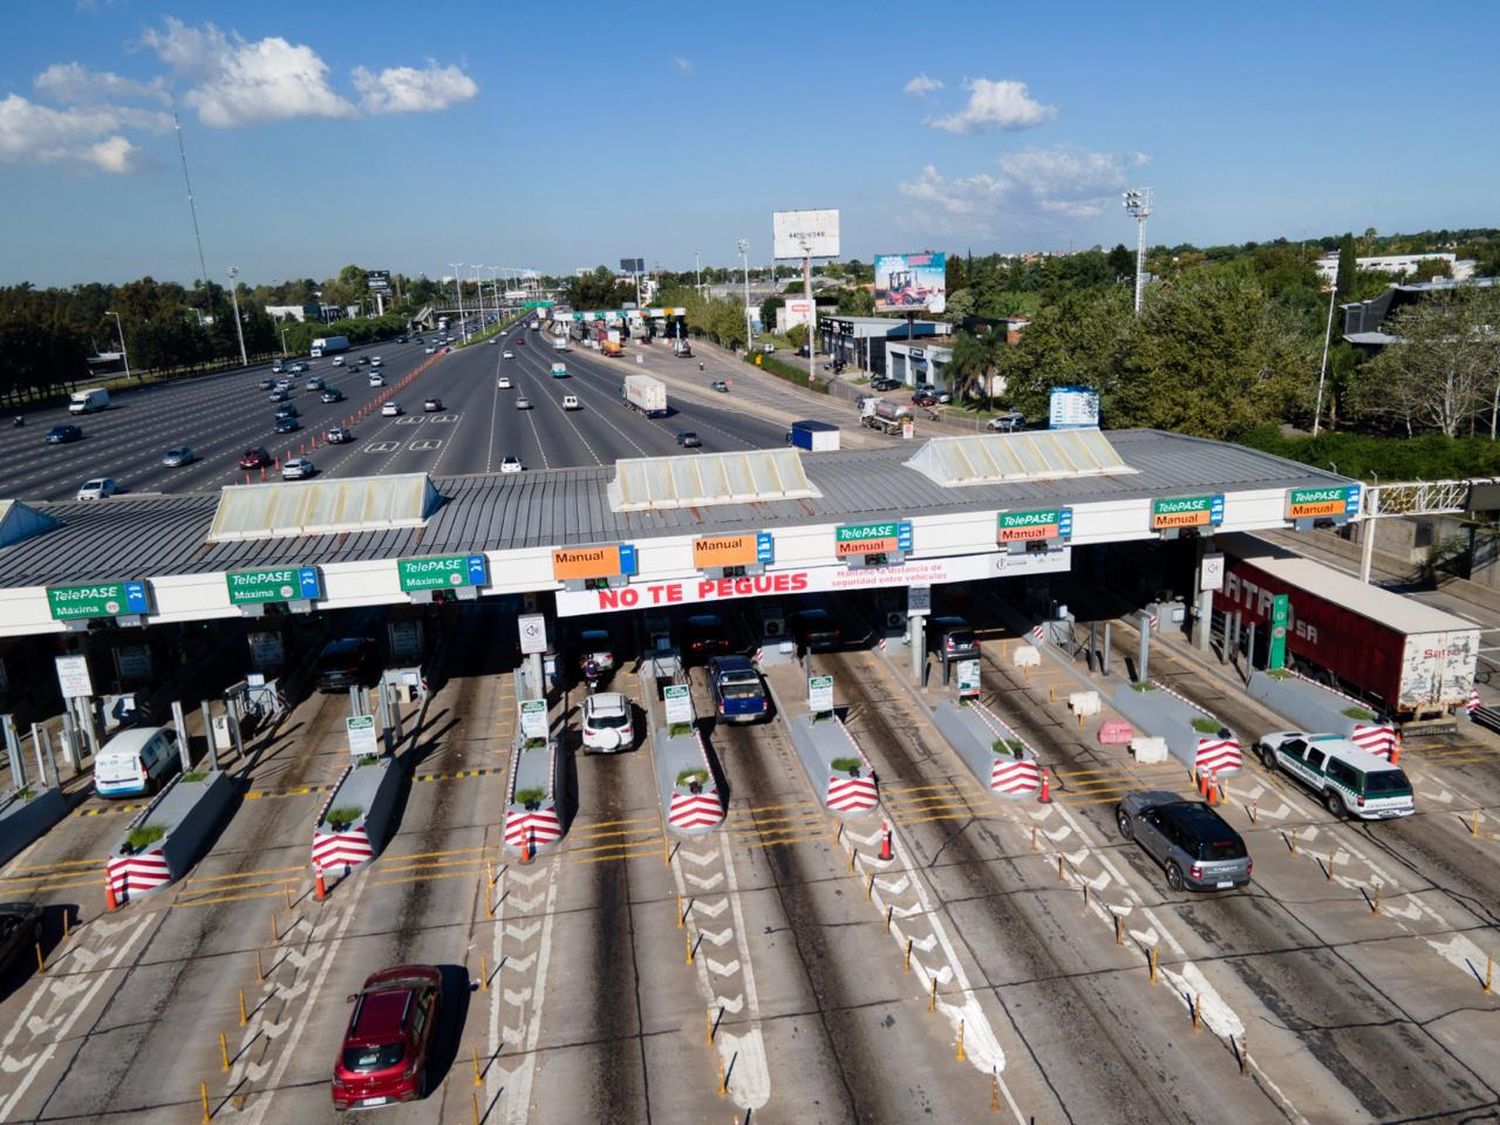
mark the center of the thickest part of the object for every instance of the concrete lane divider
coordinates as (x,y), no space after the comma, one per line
(358,817)
(996,755)
(27,815)
(686,775)
(1195,738)
(836,767)
(533,819)
(169,835)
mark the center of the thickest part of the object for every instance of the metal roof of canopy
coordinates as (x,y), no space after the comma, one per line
(18,522)
(285,510)
(757,475)
(995,458)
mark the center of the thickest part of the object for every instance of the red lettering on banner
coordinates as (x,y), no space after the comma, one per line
(630,597)
(799,581)
(706,588)
(674,593)
(609,599)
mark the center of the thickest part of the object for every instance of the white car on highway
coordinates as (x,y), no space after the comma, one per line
(503,383)
(338,361)
(507,354)
(298,468)
(100,488)
(523,403)
(374,361)
(377,379)
(608,725)
(511,465)
(570,402)
(391,409)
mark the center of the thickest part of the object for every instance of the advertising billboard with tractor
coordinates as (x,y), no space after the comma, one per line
(911,282)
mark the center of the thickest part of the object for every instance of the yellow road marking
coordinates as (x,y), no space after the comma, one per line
(196,878)
(61,864)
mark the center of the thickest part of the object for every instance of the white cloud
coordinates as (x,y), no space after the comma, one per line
(682,64)
(74,84)
(1005,104)
(38,134)
(1062,182)
(921,86)
(404,89)
(239,82)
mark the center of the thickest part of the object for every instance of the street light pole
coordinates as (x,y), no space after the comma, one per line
(120,331)
(283,340)
(479,288)
(1138,203)
(698,273)
(1333,288)
(239,329)
(459,286)
(744,245)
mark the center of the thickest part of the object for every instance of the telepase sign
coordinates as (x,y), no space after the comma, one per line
(699,589)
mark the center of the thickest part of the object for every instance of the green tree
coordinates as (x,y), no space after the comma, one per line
(1121,262)
(796,335)
(856,302)
(1348,267)
(768,309)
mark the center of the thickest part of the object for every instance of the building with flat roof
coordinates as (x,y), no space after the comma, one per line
(1364,321)
(1402,265)
(861,340)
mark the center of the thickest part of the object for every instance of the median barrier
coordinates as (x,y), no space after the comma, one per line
(996,755)
(532,818)
(170,834)
(1149,750)
(836,767)
(26,816)
(1195,738)
(356,820)
(686,775)
(1320,709)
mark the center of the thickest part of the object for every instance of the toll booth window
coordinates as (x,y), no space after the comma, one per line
(878,559)
(443,597)
(1037,547)
(734,572)
(596,583)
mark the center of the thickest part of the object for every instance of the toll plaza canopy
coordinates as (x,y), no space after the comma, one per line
(656,531)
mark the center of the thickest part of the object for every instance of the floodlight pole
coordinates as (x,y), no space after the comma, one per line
(1138,203)
(1333,289)
(124,355)
(744,245)
(239,329)
(458,284)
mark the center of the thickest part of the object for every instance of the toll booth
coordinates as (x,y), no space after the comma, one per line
(774,641)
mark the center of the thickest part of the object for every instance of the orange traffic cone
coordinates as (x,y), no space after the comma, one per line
(110,902)
(1046,795)
(526,848)
(1396,750)
(1211,787)
(885,840)
(319,887)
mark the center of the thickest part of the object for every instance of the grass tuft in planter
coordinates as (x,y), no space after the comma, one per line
(845,765)
(367,760)
(341,818)
(1279,674)
(1143,685)
(534,744)
(696,775)
(678,730)
(144,835)
(1358,713)
(531,797)
(194,775)
(1207,726)
(1011,746)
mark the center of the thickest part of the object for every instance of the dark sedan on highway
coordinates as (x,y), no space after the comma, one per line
(61,435)
(254,458)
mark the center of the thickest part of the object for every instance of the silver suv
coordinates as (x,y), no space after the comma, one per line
(1194,845)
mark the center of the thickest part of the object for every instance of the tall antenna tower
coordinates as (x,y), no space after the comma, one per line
(192,207)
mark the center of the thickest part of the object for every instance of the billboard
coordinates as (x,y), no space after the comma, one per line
(632,265)
(796,310)
(805,234)
(379,281)
(1073,408)
(910,282)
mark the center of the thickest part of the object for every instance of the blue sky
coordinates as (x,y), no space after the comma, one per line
(564,135)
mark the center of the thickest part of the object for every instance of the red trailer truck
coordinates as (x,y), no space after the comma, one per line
(1417,662)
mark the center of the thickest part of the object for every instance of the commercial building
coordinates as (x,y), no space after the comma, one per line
(1365,321)
(1402,265)
(918,363)
(861,340)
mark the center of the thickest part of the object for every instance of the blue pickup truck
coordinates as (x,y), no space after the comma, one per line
(739,694)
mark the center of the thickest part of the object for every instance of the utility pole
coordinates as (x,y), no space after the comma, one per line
(698,273)
(459,286)
(120,331)
(1333,288)
(1138,203)
(239,329)
(744,245)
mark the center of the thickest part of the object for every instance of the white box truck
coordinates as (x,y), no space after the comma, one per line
(328,345)
(643,393)
(86,402)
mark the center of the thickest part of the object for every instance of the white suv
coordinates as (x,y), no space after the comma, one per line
(1346,777)
(608,725)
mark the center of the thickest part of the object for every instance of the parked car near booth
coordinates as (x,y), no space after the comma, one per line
(136,761)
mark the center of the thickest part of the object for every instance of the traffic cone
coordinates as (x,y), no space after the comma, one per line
(1211,789)
(110,902)
(526,848)
(262,472)
(320,889)
(1396,751)
(885,840)
(1046,795)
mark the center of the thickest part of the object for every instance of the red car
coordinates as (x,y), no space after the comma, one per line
(384,1056)
(254,458)
(922,398)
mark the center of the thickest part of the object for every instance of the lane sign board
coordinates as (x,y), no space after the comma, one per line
(725,550)
(1028,527)
(820,694)
(361,732)
(442,572)
(278,584)
(103,599)
(534,718)
(679,703)
(533,629)
(1187,511)
(1315,503)
(609,561)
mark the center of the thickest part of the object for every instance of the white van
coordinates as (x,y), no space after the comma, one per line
(570,402)
(136,761)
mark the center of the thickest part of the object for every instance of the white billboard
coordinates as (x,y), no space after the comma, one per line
(805,234)
(1074,408)
(797,310)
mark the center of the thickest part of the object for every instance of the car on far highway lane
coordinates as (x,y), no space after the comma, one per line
(432,405)
(98,488)
(720,385)
(364,361)
(523,403)
(338,361)
(570,402)
(882,384)
(21,931)
(316,383)
(429,350)
(331,395)
(278,395)
(377,379)
(511,465)
(286,424)
(338,435)
(520,341)
(383,1058)
(254,458)
(268,384)
(1192,843)
(298,468)
(177,456)
(688,439)
(507,354)
(61,435)
(1007,423)
(375,361)
(391,409)
(503,383)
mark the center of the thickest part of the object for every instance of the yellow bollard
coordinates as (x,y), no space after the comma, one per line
(260,972)
(1254,808)
(224,1051)
(1085,898)
(67,924)
(489,870)
(1474,824)
(994,1089)
(478,1078)
(666,850)
(1244,1054)
(708,1027)
(1375,904)
(287,887)
(1328,870)
(688,941)
(474,1101)
(244,1019)
(1489,975)
(484,974)
(1080,720)
(203,1097)
(1033,837)
(1051,694)
(932,997)
(489,904)
(679,912)
(1119,935)
(906,960)
(1152,956)
(851,861)
(961,1056)
(1060,876)
(870,889)
(41,965)
(275,931)
(1291,841)
(1197,1012)
(723,1079)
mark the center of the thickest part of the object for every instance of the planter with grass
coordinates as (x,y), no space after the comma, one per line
(27,815)
(533,819)
(997,757)
(686,774)
(170,834)
(1322,710)
(1194,737)
(836,767)
(359,816)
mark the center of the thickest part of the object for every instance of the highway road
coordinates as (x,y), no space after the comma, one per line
(222,415)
